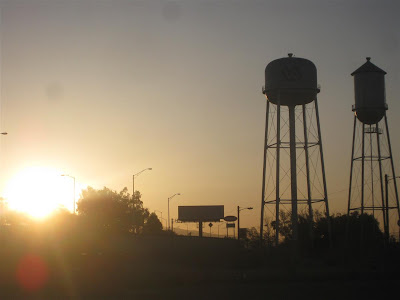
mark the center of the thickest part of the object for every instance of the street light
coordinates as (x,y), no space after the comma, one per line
(66,175)
(177,194)
(238,218)
(4,133)
(133,180)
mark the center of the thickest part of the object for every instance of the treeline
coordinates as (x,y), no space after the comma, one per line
(351,231)
(101,211)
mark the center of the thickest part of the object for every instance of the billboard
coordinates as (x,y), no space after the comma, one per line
(202,213)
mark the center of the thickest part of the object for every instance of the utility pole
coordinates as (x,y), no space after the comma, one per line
(386,210)
(238,220)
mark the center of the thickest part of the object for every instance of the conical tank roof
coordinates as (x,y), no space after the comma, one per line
(368,67)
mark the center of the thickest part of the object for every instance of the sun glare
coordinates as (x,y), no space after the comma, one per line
(38,191)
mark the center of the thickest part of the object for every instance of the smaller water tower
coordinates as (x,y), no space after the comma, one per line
(369,89)
(371,158)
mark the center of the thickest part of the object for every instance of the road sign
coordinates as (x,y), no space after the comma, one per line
(230,218)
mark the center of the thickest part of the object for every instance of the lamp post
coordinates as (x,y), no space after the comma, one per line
(386,210)
(238,218)
(177,194)
(66,175)
(133,180)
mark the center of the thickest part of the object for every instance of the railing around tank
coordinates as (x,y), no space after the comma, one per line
(373,130)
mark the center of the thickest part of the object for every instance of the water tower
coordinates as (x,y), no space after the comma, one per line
(293,166)
(373,187)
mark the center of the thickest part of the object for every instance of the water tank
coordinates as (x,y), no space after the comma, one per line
(369,90)
(291,81)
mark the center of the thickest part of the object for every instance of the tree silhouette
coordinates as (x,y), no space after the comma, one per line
(153,225)
(350,230)
(109,211)
(346,230)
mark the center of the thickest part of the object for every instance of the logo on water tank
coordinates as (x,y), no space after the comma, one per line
(291,72)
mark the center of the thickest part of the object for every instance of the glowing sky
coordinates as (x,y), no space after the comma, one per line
(103,89)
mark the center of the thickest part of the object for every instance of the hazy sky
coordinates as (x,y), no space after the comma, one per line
(103,89)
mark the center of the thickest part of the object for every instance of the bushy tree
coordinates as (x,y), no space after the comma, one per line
(349,230)
(110,211)
(346,230)
(139,213)
(152,225)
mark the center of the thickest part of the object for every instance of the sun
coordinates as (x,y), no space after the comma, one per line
(38,191)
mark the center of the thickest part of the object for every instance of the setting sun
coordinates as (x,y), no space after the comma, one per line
(38,191)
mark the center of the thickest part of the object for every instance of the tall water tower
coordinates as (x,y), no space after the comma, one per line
(293,166)
(373,187)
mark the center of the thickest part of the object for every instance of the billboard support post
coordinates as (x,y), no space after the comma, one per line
(200,229)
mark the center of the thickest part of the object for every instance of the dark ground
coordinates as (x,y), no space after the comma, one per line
(188,268)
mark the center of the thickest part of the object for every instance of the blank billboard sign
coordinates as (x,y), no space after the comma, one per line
(202,213)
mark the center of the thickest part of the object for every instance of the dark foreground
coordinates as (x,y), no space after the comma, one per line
(184,268)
